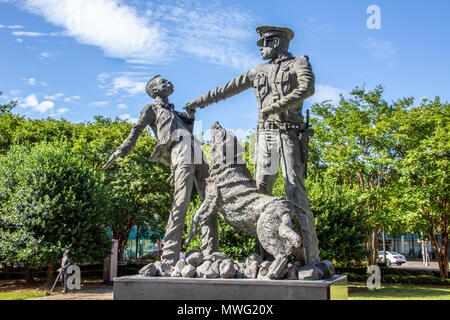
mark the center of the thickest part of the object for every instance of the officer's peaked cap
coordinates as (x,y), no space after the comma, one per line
(272,31)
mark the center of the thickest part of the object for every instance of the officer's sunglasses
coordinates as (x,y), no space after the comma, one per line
(267,40)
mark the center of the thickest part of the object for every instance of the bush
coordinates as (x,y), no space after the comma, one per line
(391,275)
(340,230)
(50,201)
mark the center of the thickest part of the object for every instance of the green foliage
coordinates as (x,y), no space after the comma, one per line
(141,195)
(354,144)
(393,275)
(6,109)
(423,144)
(340,230)
(51,200)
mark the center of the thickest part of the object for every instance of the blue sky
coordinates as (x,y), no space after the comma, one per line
(74,59)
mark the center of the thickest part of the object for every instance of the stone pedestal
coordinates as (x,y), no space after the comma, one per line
(160,288)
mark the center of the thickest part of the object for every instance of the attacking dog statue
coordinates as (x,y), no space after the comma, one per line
(231,193)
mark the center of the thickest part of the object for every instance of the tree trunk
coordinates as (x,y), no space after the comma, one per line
(8,269)
(123,235)
(28,273)
(441,255)
(121,247)
(441,252)
(50,272)
(372,247)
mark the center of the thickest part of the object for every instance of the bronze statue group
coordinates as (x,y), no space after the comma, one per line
(280,85)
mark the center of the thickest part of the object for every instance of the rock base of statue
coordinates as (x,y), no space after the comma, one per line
(166,288)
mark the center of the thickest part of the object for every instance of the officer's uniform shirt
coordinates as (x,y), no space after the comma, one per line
(280,85)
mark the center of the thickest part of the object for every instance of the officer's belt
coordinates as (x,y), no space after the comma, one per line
(271,125)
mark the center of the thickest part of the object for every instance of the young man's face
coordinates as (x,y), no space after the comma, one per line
(162,87)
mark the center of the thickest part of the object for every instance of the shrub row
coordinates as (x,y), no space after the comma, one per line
(393,278)
(389,271)
(87,271)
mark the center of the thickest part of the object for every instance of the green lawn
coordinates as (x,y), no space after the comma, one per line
(359,291)
(19,290)
(21,295)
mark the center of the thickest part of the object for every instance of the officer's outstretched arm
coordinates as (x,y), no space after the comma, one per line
(233,87)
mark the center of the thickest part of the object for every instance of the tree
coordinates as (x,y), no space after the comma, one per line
(142,196)
(354,141)
(6,109)
(51,200)
(423,144)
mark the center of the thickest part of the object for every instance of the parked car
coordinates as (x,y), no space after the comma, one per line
(391,257)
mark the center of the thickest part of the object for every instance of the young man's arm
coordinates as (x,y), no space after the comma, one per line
(125,148)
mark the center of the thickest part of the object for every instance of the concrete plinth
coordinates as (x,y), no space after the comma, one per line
(159,288)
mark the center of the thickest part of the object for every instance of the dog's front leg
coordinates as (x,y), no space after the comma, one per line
(200,216)
(277,268)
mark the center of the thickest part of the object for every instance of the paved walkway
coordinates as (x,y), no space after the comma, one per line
(102,293)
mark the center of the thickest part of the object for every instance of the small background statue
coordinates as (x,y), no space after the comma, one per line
(65,263)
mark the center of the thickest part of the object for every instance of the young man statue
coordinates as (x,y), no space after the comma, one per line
(175,147)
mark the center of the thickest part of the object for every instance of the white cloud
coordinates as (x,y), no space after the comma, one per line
(56,96)
(155,33)
(379,49)
(128,82)
(122,106)
(15,92)
(61,111)
(43,55)
(28,34)
(325,92)
(32,102)
(127,117)
(62,97)
(31,81)
(19,40)
(16,26)
(99,103)
(44,106)
(111,25)
(72,99)
(212,32)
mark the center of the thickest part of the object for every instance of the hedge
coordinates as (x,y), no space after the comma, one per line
(393,275)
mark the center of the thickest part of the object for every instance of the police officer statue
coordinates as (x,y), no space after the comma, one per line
(280,86)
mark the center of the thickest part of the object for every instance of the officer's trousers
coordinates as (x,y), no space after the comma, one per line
(272,147)
(185,173)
